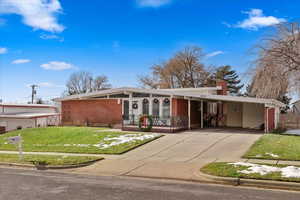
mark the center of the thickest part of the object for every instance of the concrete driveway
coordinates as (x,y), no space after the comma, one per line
(176,155)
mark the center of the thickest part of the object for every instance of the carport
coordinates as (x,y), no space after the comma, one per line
(217,111)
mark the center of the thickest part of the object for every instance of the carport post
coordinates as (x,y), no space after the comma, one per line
(266,119)
(189,112)
(201,113)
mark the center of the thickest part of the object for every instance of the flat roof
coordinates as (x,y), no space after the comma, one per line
(125,90)
(22,115)
(27,105)
(181,92)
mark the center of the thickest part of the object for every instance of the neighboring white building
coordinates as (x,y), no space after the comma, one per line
(19,116)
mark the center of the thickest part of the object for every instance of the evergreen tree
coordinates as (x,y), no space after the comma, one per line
(229,75)
(286,100)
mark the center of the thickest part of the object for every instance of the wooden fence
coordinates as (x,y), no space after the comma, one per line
(289,121)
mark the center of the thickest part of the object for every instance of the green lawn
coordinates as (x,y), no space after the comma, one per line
(227,170)
(49,159)
(74,140)
(274,146)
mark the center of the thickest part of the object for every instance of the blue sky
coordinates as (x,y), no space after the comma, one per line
(44,41)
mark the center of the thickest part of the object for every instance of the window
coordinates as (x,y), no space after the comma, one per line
(145,107)
(140,95)
(119,96)
(166,108)
(155,108)
(126,110)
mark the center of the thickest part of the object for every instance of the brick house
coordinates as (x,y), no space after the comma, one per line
(171,109)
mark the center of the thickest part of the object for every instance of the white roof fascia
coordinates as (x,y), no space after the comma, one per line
(27,115)
(27,105)
(192,89)
(272,102)
(114,91)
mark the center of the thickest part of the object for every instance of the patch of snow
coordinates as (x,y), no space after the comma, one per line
(292,132)
(122,139)
(287,172)
(272,155)
(111,141)
(290,172)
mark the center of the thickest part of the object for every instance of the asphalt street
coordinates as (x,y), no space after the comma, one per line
(19,184)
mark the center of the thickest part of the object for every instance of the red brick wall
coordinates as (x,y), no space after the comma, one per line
(91,112)
(179,107)
(224,87)
(270,118)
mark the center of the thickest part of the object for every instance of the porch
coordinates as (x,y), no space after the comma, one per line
(176,114)
(169,124)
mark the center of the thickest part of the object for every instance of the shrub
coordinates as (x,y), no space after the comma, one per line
(279,130)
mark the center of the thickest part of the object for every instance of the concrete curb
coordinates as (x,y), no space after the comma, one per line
(50,166)
(269,184)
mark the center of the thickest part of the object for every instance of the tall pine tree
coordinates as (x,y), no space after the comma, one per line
(226,73)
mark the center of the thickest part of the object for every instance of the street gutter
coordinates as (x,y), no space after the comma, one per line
(268,184)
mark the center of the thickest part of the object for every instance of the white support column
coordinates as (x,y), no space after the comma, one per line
(130,104)
(189,113)
(267,120)
(171,107)
(150,105)
(202,125)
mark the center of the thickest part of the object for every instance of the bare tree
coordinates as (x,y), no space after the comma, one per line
(278,63)
(83,82)
(181,71)
(100,83)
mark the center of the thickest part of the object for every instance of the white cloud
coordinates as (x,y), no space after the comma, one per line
(256,19)
(21,61)
(39,14)
(3,50)
(152,3)
(57,66)
(45,85)
(49,85)
(215,53)
(51,37)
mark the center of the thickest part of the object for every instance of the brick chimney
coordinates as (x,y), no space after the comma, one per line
(223,85)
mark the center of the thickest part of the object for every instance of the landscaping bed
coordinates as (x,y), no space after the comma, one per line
(253,171)
(77,140)
(275,147)
(49,160)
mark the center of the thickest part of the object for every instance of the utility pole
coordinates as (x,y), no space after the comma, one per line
(33,92)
